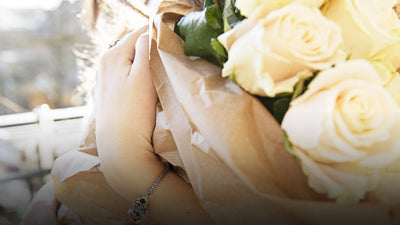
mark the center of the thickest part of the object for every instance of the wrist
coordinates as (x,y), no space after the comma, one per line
(118,156)
(132,174)
(139,209)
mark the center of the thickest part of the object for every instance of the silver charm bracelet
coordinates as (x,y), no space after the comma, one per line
(139,208)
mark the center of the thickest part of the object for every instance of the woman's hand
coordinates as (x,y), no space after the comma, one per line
(125,97)
(125,110)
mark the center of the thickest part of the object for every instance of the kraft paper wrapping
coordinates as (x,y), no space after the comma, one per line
(232,148)
(84,193)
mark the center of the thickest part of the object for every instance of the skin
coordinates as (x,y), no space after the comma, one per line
(125,110)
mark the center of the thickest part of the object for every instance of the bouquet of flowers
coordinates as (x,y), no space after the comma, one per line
(304,131)
(328,68)
(306,128)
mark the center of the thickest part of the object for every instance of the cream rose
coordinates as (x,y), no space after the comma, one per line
(370,28)
(345,129)
(390,77)
(283,48)
(393,86)
(247,7)
(385,70)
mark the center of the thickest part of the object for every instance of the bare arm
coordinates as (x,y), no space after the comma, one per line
(125,104)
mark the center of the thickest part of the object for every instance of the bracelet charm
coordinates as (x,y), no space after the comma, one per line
(139,208)
(138,211)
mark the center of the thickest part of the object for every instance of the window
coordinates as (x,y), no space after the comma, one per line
(37,61)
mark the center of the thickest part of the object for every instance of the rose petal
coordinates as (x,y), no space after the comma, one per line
(303,122)
(337,182)
(349,69)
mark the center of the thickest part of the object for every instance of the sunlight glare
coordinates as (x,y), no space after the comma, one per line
(30,4)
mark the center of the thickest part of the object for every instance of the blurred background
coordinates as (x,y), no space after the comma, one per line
(42,112)
(37,62)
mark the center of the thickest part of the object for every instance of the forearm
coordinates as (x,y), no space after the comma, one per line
(172,202)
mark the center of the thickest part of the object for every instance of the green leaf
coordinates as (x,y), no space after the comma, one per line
(288,145)
(277,106)
(281,106)
(302,85)
(283,95)
(268,103)
(218,47)
(208,3)
(298,89)
(232,77)
(231,15)
(307,81)
(198,29)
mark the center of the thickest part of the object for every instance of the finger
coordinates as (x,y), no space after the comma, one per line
(144,93)
(140,64)
(140,75)
(125,47)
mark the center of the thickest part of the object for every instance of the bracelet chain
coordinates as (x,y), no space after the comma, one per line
(139,208)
